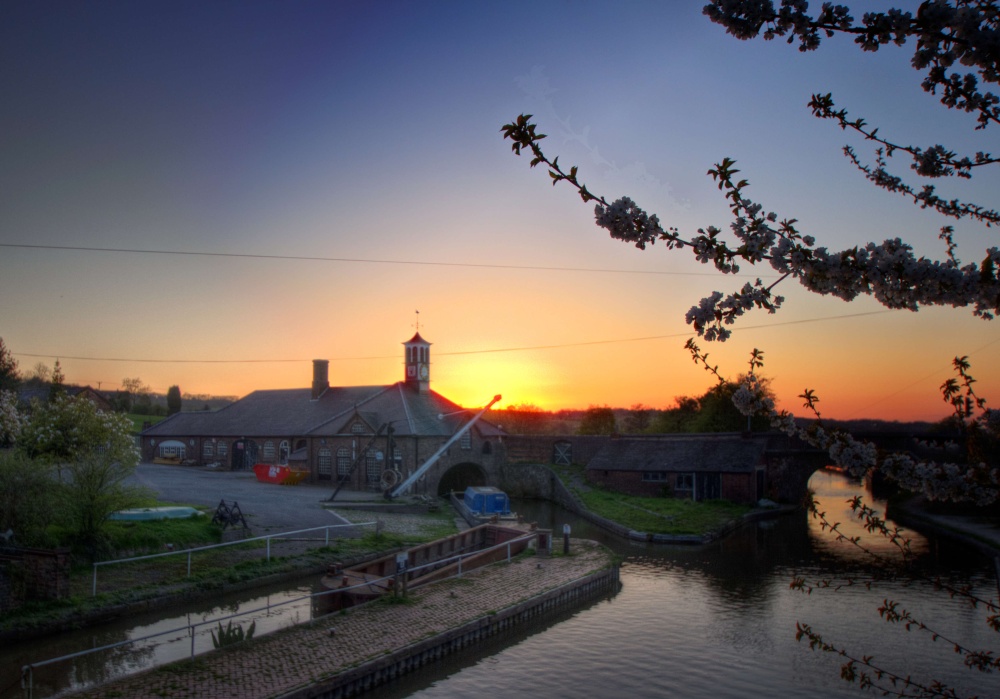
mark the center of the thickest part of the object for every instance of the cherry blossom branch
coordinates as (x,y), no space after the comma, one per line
(926,198)
(963,32)
(889,272)
(867,675)
(977,481)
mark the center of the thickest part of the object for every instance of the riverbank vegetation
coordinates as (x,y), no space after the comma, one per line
(161,579)
(663,515)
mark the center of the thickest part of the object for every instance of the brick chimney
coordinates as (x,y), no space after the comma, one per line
(321,377)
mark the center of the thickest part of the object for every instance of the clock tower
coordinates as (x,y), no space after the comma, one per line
(417,359)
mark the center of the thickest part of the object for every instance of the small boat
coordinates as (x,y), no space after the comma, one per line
(481,504)
(282,475)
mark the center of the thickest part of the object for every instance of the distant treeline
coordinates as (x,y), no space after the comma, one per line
(690,415)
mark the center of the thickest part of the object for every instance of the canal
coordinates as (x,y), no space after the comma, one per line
(712,621)
(720,621)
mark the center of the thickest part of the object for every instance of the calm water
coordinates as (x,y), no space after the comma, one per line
(716,621)
(720,622)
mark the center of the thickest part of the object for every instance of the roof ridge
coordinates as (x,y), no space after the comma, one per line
(354,407)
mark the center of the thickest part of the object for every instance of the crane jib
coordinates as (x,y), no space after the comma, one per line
(405,485)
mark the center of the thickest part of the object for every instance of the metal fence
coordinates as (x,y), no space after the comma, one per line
(189,552)
(191,629)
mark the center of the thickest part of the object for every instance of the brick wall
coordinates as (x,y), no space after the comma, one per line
(32,574)
(541,448)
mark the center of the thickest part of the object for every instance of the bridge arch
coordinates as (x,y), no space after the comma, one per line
(461,476)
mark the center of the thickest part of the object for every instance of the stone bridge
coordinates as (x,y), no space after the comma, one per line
(788,463)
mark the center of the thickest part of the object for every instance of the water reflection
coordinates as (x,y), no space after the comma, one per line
(89,670)
(832,493)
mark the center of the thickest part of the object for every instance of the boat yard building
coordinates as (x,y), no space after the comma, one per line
(342,434)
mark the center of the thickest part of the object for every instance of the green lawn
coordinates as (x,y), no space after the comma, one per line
(663,515)
(139,420)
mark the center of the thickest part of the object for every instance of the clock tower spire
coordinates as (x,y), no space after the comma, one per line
(417,359)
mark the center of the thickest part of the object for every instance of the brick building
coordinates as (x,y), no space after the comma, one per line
(326,429)
(698,466)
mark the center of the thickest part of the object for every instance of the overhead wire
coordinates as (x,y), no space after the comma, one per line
(938,373)
(365,260)
(497,350)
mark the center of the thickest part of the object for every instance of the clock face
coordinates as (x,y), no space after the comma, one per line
(424,371)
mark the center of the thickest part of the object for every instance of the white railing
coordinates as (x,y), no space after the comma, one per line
(27,671)
(189,552)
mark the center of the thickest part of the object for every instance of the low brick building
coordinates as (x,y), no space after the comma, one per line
(699,467)
(326,429)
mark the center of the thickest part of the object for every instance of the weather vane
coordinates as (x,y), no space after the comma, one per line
(417,324)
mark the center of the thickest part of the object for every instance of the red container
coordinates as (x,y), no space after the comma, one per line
(282,475)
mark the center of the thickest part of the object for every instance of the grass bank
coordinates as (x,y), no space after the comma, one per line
(662,515)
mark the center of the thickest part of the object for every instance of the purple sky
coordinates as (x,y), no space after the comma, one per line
(370,130)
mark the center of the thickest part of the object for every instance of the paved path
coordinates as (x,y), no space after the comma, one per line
(268,508)
(287,660)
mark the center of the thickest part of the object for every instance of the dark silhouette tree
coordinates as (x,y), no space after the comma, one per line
(9,378)
(174,401)
(598,420)
(57,387)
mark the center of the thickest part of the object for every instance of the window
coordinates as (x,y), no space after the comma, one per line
(684,481)
(325,464)
(654,476)
(207,450)
(269,450)
(466,441)
(343,464)
(372,469)
(358,428)
(283,452)
(172,449)
(222,449)
(487,448)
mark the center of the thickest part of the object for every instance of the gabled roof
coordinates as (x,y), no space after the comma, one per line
(727,453)
(293,412)
(26,394)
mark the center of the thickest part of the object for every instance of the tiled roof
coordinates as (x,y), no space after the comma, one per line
(725,452)
(292,412)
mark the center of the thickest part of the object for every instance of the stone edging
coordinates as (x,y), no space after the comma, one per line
(367,676)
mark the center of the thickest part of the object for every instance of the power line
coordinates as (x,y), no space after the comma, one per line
(363,260)
(497,350)
(918,381)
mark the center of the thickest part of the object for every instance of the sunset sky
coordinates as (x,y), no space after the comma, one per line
(363,140)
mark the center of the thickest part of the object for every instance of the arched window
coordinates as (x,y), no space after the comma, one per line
(343,463)
(487,448)
(172,449)
(207,449)
(283,452)
(269,451)
(222,449)
(325,464)
(466,440)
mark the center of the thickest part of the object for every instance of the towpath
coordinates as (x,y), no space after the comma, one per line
(288,661)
